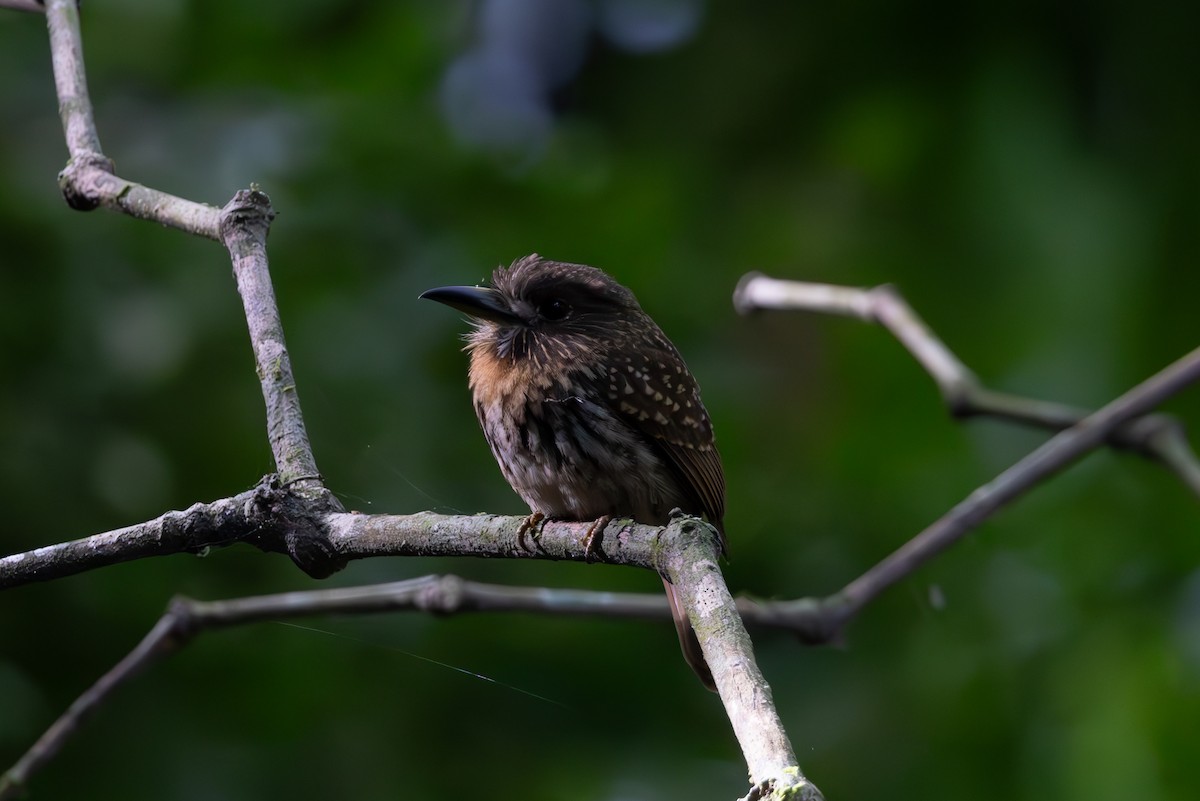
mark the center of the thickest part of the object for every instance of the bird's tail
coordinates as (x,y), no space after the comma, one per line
(687,638)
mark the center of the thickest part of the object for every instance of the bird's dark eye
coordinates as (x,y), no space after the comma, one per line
(555,309)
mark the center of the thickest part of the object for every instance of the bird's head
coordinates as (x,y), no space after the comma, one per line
(546,311)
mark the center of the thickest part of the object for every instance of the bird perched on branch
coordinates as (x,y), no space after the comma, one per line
(587,406)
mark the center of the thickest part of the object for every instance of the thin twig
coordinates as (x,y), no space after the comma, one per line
(200,526)
(1159,437)
(167,636)
(23,5)
(1051,457)
(239,519)
(245,221)
(70,79)
(89,179)
(1126,422)
(441,595)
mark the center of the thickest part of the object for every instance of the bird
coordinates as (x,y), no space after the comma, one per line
(587,406)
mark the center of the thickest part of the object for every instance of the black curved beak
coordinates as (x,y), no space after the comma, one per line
(478,301)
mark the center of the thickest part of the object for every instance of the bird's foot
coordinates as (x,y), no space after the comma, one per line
(531,524)
(593,541)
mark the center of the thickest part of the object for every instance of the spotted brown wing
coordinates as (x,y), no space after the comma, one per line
(655,393)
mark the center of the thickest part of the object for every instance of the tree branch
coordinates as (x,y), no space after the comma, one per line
(167,636)
(246,518)
(692,569)
(278,520)
(89,180)
(23,5)
(245,221)
(686,551)
(1158,437)
(200,526)
(1125,422)
(1051,457)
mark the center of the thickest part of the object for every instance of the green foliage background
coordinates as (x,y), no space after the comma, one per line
(1025,173)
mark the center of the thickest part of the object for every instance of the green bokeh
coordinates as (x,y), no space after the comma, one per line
(1025,175)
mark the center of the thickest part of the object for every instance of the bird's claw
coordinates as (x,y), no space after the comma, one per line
(593,541)
(530,524)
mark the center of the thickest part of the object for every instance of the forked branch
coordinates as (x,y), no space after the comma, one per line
(686,551)
(1159,437)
